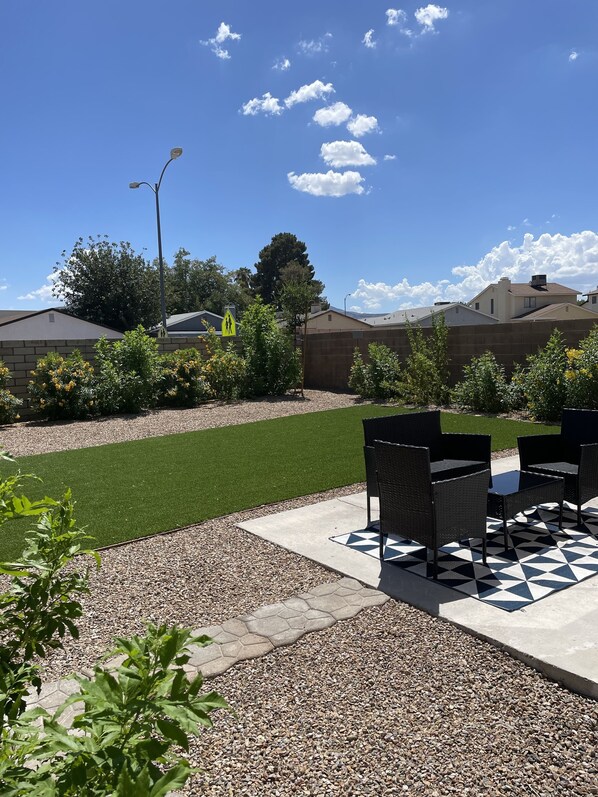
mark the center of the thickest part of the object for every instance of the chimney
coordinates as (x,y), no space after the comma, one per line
(538,281)
(315,308)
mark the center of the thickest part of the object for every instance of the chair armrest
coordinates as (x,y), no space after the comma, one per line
(371,476)
(467,446)
(460,506)
(535,448)
(588,471)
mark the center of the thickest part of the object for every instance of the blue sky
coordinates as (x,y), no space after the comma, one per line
(419,150)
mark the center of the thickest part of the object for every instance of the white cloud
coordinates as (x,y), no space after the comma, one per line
(346,153)
(334,114)
(267,104)
(329,184)
(395,17)
(44,293)
(282,64)
(368,39)
(222,34)
(3,286)
(428,16)
(571,260)
(573,55)
(311,91)
(390,157)
(315,46)
(362,124)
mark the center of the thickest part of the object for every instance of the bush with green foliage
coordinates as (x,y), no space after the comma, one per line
(581,373)
(545,384)
(127,372)
(483,387)
(224,371)
(9,404)
(132,719)
(378,377)
(182,381)
(63,387)
(515,397)
(425,374)
(273,365)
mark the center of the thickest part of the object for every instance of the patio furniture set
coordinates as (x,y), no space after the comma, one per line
(435,488)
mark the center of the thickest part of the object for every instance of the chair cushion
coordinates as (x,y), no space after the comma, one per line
(453,468)
(555,467)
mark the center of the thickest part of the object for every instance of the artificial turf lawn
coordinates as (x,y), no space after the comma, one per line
(132,489)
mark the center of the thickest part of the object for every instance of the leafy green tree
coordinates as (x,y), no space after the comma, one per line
(108,283)
(298,292)
(283,249)
(193,284)
(273,365)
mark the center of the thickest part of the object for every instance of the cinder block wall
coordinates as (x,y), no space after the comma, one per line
(21,357)
(329,355)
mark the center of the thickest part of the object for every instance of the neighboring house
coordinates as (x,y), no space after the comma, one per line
(558,312)
(188,325)
(333,320)
(455,314)
(507,301)
(50,324)
(592,302)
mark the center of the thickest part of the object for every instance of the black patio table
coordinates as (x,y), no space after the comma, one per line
(516,490)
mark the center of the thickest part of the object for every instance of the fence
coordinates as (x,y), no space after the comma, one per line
(329,355)
(21,357)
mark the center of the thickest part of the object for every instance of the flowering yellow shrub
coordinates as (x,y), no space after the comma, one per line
(8,403)
(62,387)
(582,373)
(182,383)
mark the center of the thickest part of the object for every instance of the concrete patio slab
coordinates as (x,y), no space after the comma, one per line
(557,635)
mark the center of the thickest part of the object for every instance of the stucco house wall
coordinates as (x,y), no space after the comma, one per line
(331,321)
(52,325)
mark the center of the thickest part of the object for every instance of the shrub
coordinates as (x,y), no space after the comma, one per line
(515,393)
(378,378)
(273,364)
(129,717)
(484,385)
(62,387)
(9,404)
(128,372)
(581,373)
(182,383)
(425,377)
(224,370)
(545,384)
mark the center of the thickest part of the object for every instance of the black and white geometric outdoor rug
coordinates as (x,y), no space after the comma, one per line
(540,560)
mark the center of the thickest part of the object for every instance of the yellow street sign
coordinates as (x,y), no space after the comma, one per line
(229,328)
(162,333)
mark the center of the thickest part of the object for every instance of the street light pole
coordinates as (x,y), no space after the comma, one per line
(174,154)
(345,302)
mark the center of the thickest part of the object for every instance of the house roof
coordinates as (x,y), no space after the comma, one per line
(415,314)
(180,317)
(352,316)
(8,316)
(550,289)
(549,309)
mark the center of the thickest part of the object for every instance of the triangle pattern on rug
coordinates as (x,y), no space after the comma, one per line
(541,559)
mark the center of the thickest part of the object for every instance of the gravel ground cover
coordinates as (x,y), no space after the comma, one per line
(395,702)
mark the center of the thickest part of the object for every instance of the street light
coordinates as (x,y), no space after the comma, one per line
(345,301)
(175,153)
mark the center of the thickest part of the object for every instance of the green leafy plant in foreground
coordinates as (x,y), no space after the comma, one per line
(121,742)
(131,716)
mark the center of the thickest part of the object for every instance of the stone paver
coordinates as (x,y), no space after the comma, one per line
(251,635)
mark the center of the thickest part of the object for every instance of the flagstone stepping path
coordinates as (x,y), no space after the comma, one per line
(249,635)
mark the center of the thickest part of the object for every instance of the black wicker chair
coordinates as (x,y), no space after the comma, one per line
(572,454)
(432,513)
(451,455)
